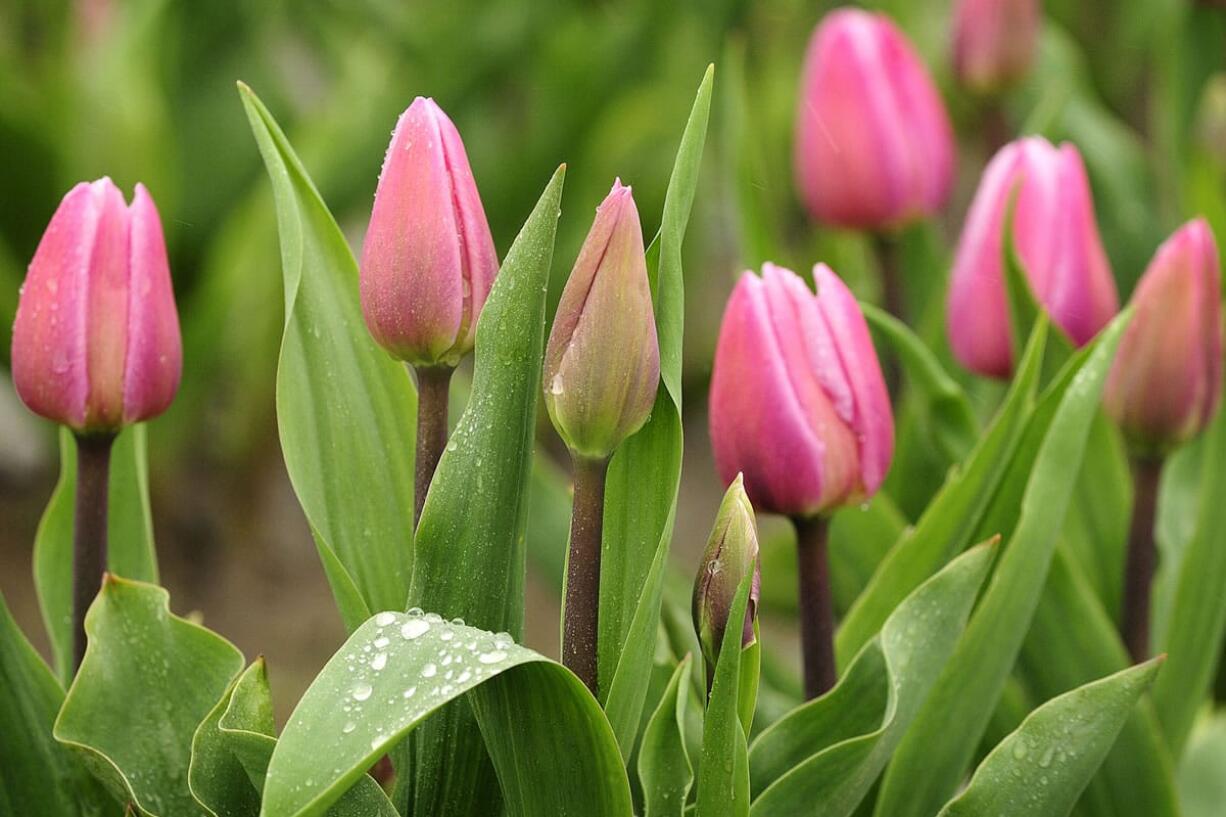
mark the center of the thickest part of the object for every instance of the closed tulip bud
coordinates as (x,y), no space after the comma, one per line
(1056,238)
(730,556)
(602,363)
(428,259)
(994,42)
(96,340)
(874,147)
(1167,377)
(798,403)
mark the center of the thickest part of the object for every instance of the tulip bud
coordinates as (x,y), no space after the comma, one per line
(874,147)
(428,259)
(602,364)
(1057,240)
(798,402)
(994,42)
(730,556)
(1166,380)
(96,340)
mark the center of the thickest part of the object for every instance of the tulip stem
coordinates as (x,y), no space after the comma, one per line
(816,605)
(89,531)
(433,389)
(1142,556)
(582,606)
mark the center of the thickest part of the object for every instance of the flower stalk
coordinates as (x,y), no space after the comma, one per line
(581,626)
(816,605)
(433,385)
(1142,557)
(89,544)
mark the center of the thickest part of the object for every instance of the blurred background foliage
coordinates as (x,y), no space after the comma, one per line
(143,90)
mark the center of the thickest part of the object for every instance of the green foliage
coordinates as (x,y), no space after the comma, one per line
(344,408)
(664,763)
(541,724)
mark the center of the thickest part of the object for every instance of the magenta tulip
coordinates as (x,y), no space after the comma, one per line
(96,340)
(1167,377)
(602,363)
(1057,240)
(798,402)
(874,147)
(428,259)
(994,42)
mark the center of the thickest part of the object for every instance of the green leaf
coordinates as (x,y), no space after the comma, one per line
(645,472)
(147,680)
(217,778)
(949,524)
(470,558)
(1041,769)
(822,758)
(38,776)
(1072,641)
(947,412)
(1197,621)
(664,764)
(723,776)
(1202,772)
(1024,306)
(245,728)
(549,741)
(130,551)
(345,409)
(932,758)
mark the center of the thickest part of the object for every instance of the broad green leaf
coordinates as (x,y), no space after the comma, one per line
(217,778)
(1197,619)
(947,412)
(723,776)
(38,776)
(645,473)
(130,551)
(549,741)
(345,409)
(823,757)
(664,763)
(1041,769)
(245,729)
(1202,771)
(1073,641)
(949,523)
(147,681)
(931,758)
(470,557)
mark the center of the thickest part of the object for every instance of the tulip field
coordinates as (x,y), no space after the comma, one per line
(731,409)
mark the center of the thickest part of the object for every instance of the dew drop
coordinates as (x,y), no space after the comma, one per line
(414,628)
(349,727)
(491,657)
(429,671)
(361,691)
(384,619)
(410,692)
(378,662)
(381,642)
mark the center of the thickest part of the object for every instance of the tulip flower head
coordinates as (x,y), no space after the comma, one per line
(994,42)
(428,259)
(602,363)
(731,555)
(1166,380)
(1056,238)
(874,147)
(798,402)
(96,340)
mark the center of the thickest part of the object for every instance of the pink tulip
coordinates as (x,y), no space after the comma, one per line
(798,402)
(1057,240)
(994,42)
(1167,377)
(96,340)
(428,260)
(874,147)
(602,363)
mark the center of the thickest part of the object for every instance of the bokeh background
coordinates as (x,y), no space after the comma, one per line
(144,90)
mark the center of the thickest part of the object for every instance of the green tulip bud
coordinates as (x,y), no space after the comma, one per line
(731,554)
